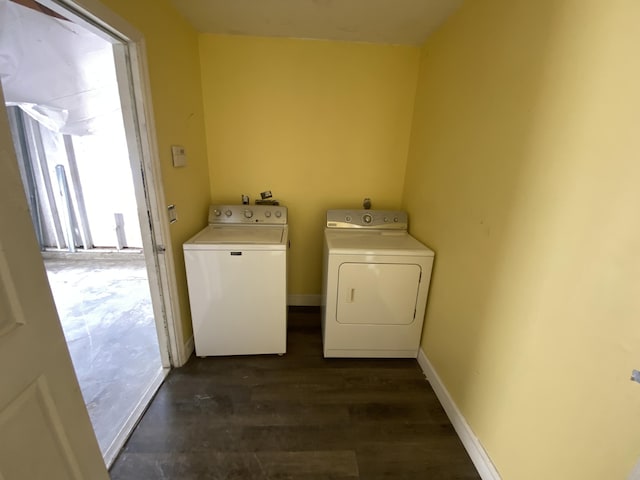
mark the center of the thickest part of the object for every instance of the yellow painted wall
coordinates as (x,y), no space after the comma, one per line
(174,71)
(524,176)
(321,124)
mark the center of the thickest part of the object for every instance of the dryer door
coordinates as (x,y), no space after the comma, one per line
(377,293)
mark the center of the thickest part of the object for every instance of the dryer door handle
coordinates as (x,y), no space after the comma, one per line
(351,295)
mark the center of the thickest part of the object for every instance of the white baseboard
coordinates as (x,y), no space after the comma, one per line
(474,448)
(187,350)
(312,300)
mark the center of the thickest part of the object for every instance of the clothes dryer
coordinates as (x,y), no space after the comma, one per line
(375,285)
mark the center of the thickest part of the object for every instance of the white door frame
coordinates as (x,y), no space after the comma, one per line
(135,93)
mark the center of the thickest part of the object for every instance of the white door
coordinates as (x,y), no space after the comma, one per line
(45,431)
(377,293)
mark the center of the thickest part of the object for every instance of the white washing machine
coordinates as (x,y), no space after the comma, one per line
(375,285)
(237,279)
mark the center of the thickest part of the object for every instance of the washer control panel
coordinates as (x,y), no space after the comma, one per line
(374,219)
(248,214)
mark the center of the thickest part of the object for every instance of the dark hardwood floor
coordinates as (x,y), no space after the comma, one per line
(298,416)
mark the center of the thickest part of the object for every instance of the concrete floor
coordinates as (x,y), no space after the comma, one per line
(104,306)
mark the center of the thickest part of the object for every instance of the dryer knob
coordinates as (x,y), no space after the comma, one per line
(227,213)
(278,213)
(367,218)
(217,212)
(267,214)
(248,214)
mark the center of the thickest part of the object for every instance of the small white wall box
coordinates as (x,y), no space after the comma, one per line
(179,156)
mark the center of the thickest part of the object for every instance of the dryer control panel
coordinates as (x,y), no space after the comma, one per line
(248,214)
(374,219)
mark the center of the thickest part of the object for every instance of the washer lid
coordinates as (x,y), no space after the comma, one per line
(374,242)
(239,235)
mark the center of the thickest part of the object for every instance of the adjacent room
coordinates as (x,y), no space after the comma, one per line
(508,133)
(61,91)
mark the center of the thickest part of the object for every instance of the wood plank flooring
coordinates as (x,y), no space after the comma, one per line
(298,416)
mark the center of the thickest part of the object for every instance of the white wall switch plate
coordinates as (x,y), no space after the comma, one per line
(179,156)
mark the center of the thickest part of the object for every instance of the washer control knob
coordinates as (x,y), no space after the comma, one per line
(278,213)
(347,218)
(267,214)
(367,218)
(386,219)
(395,219)
(248,214)
(227,213)
(217,212)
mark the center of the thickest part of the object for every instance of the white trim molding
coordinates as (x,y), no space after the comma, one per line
(311,300)
(132,419)
(187,349)
(474,448)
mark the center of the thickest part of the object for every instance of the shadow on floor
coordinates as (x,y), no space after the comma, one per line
(104,306)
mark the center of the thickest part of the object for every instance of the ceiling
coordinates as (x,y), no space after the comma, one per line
(405,22)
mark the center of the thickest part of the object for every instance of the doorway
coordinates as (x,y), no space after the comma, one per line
(94,259)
